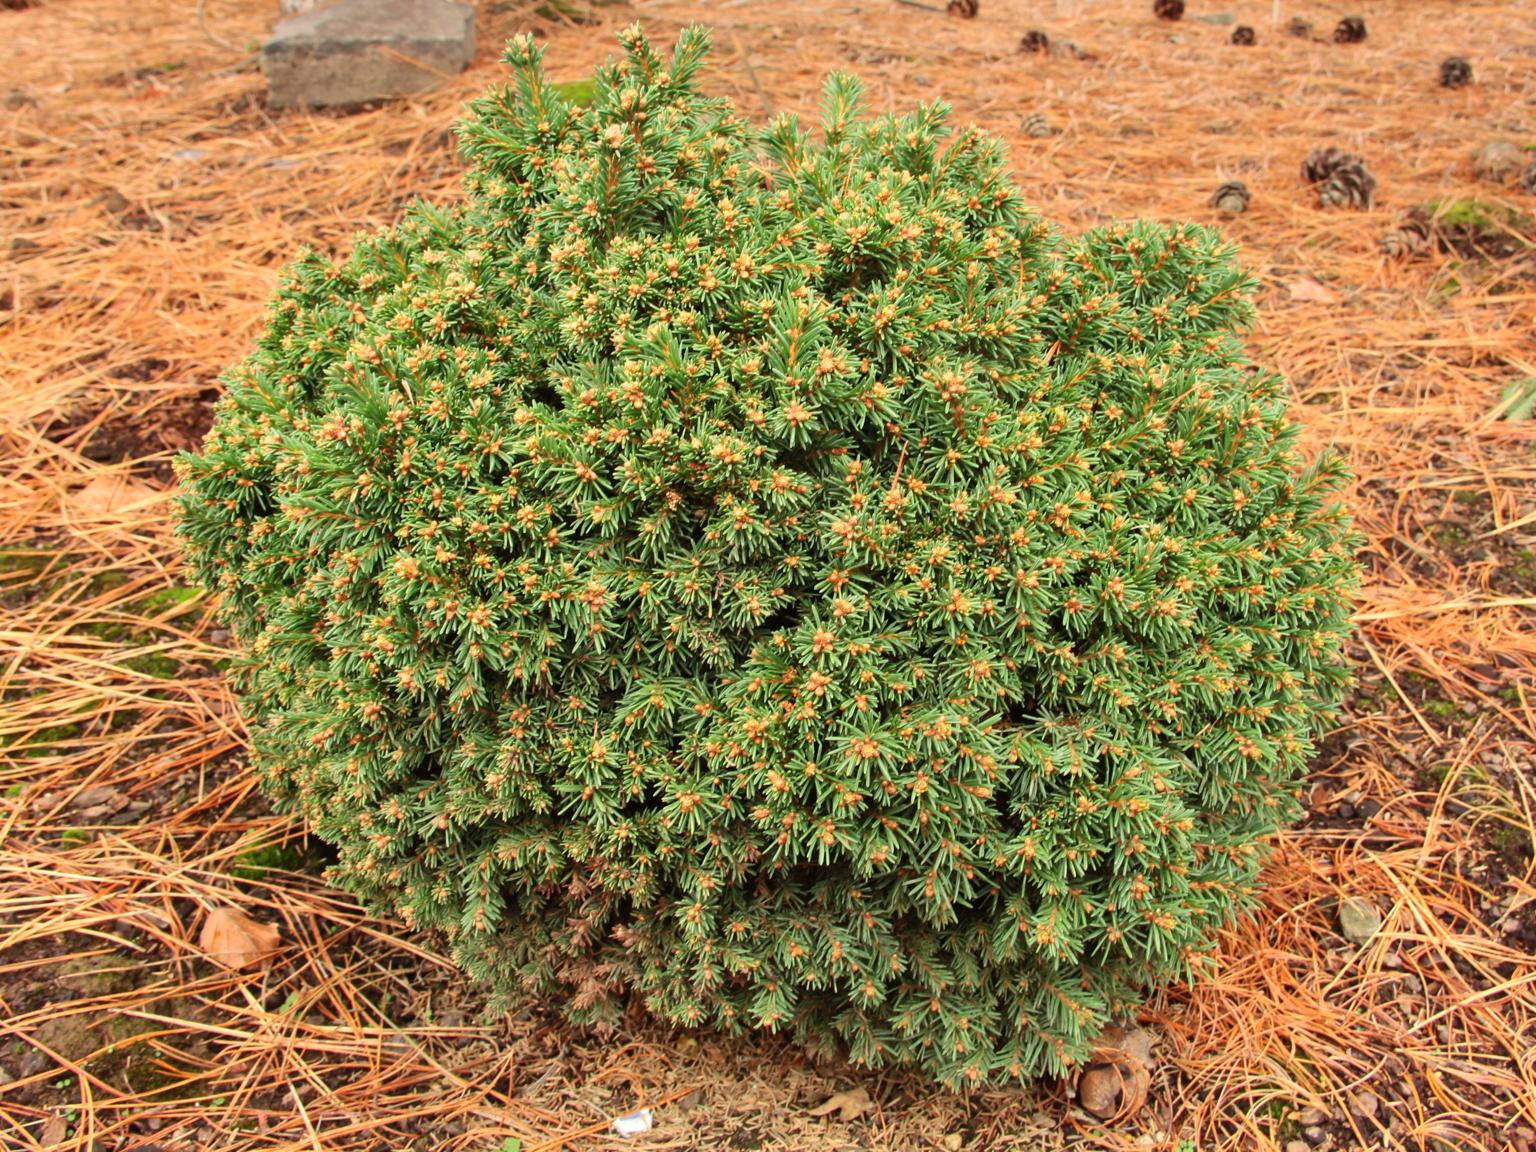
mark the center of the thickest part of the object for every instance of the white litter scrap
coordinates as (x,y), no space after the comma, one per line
(635,1123)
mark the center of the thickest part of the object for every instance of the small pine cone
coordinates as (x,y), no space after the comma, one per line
(1455,72)
(1036,126)
(1410,237)
(965,9)
(1168,9)
(1232,197)
(1035,41)
(1527,181)
(1243,36)
(1299,28)
(1350,30)
(1349,186)
(1322,163)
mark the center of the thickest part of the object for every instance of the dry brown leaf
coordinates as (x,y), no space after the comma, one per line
(96,794)
(55,1131)
(1115,1086)
(848,1105)
(1308,290)
(1114,1091)
(232,939)
(1117,1043)
(1099,1091)
(109,494)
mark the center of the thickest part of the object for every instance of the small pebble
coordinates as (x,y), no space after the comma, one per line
(1359,919)
(1497,161)
(1365,1105)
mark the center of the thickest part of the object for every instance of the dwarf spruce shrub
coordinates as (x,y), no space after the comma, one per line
(777,576)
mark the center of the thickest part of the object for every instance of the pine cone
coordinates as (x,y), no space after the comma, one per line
(1410,237)
(1321,163)
(1455,72)
(1527,180)
(1035,125)
(965,9)
(1299,28)
(1351,30)
(1349,186)
(1232,197)
(1168,9)
(1243,36)
(1344,177)
(1035,41)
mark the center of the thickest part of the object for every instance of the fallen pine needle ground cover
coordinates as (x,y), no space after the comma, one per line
(175,974)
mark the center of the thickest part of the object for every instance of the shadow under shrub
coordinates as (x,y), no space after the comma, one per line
(784,580)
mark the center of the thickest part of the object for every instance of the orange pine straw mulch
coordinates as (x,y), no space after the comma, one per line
(147,199)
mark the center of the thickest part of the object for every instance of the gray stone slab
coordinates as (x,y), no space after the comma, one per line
(355,51)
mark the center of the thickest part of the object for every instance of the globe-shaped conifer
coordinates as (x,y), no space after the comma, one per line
(777,578)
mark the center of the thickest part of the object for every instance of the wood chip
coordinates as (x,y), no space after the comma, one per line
(848,1105)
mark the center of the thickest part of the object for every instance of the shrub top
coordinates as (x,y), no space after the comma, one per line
(781,579)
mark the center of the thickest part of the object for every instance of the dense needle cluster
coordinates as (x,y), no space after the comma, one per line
(780,580)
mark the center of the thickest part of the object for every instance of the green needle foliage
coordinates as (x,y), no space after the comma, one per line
(780,579)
